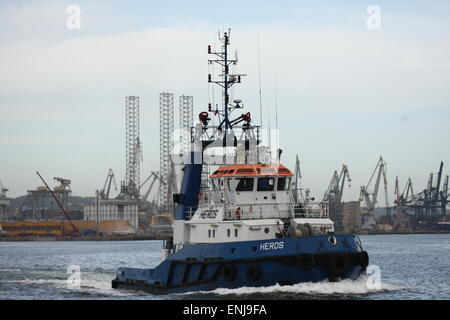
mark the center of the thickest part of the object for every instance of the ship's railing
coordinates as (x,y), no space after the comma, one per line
(190,211)
(210,198)
(307,209)
(253,211)
(257,211)
(274,210)
(310,210)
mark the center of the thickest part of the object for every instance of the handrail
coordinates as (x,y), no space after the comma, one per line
(252,211)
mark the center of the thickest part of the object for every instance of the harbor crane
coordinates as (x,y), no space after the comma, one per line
(401,221)
(104,193)
(430,205)
(333,196)
(4,202)
(153,177)
(336,186)
(445,195)
(370,198)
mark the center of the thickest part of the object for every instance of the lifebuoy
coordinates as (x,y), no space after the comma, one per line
(229,272)
(305,261)
(338,264)
(237,213)
(253,273)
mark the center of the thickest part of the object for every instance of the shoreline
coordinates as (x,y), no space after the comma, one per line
(147,237)
(405,232)
(80,238)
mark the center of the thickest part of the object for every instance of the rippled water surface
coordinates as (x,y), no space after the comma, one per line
(412,267)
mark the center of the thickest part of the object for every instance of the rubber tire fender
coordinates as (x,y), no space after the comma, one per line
(338,264)
(305,261)
(229,272)
(253,273)
(363,259)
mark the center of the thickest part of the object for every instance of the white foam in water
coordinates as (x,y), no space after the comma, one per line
(100,284)
(94,284)
(57,282)
(344,287)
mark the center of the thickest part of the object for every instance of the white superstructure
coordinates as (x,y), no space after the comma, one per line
(250,202)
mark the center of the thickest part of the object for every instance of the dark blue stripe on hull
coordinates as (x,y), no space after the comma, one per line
(232,265)
(272,273)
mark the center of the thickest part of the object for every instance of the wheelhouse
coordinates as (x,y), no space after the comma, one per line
(251,178)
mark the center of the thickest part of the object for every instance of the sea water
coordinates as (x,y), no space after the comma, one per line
(415,266)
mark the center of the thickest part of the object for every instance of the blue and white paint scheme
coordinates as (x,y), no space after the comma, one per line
(248,228)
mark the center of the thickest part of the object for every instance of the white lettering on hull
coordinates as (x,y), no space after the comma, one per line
(272,245)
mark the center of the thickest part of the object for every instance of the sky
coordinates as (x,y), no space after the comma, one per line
(345,92)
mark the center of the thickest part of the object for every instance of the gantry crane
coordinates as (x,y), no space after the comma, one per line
(430,205)
(370,199)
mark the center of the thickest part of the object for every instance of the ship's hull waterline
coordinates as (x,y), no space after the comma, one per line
(284,261)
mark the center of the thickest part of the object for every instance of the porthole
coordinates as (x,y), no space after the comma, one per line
(266,230)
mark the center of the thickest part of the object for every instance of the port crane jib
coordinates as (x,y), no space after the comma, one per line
(104,193)
(336,187)
(365,195)
(401,222)
(153,177)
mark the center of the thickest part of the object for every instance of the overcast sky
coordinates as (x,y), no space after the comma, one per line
(346,93)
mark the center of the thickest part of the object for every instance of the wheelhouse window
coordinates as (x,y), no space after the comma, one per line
(266,184)
(241,184)
(245,184)
(283,183)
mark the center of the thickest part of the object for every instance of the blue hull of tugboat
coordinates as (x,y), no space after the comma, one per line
(286,261)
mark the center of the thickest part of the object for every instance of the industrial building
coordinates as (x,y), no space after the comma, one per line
(351,217)
(112,209)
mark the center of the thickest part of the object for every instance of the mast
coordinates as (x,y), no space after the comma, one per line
(237,131)
(227,128)
(227,81)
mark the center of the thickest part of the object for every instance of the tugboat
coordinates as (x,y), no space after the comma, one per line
(248,228)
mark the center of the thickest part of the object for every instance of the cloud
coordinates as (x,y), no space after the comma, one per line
(325,70)
(80,79)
